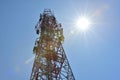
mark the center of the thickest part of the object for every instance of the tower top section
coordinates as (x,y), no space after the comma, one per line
(48,12)
(48,27)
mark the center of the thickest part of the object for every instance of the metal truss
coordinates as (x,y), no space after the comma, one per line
(50,61)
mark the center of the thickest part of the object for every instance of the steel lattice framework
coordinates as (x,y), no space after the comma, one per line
(50,61)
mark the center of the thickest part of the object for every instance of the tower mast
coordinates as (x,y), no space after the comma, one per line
(50,61)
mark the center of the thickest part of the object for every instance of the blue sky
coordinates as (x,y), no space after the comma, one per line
(94,55)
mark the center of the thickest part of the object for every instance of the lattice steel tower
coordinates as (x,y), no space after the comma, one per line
(50,61)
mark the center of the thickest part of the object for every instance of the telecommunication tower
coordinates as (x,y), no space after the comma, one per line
(50,61)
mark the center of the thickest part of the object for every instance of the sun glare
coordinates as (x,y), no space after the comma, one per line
(83,23)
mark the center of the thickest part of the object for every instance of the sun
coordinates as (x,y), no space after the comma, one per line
(83,23)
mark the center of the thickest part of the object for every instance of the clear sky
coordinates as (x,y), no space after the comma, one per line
(94,55)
